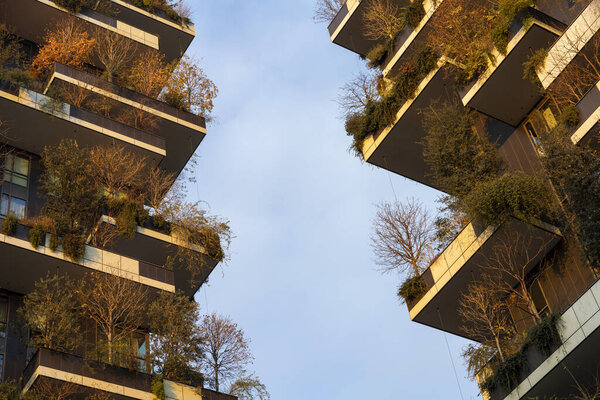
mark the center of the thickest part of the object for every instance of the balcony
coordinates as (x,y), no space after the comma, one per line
(460,264)
(563,11)
(577,355)
(571,43)
(586,132)
(155,248)
(89,376)
(43,121)
(502,92)
(410,40)
(398,147)
(346,29)
(177,391)
(23,265)
(182,130)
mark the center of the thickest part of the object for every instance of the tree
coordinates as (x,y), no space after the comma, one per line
(249,388)
(69,186)
(10,390)
(158,182)
(356,94)
(402,238)
(114,51)
(383,19)
(118,171)
(188,88)
(326,10)
(67,43)
(50,389)
(485,315)
(175,341)
(226,350)
(117,306)
(50,312)
(149,73)
(10,49)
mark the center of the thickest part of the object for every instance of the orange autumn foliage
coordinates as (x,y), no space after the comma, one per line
(66,43)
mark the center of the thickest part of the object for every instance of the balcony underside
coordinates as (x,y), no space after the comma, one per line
(587,132)
(31,129)
(156,248)
(502,92)
(461,263)
(173,38)
(182,131)
(563,11)
(398,149)
(347,28)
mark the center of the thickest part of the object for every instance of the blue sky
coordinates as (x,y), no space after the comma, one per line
(302,282)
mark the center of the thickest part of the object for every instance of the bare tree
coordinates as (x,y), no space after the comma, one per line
(513,262)
(50,389)
(383,19)
(403,237)
(226,350)
(326,10)
(117,306)
(485,315)
(356,94)
(158,183)
(114,51)
(117,170)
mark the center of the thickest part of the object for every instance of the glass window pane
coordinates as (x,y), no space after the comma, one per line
(21,166)
(17,207)
(4,204)
(3,309)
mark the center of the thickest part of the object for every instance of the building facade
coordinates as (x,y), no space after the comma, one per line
(34,119)
(515,112)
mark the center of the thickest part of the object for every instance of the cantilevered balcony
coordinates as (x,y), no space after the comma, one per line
(461,263)
(182,131)
(34,121)
(588,129)
(90,377)
(574,40)
(501,91)
(398,147)
(575,356)
(22,265)
(563,11)
(347,28)
(156,248)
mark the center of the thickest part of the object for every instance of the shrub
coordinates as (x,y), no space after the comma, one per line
(377,55)
(412,289)
(9,226)
(158,387)
(414,13)
(159,222)
(127,219)
(534,64)
(54,242)
(18,77)
(507,374)
(36,236)
(74,246)
(211,242)
(522,196)
(544,336)
(570,115)
(508,11)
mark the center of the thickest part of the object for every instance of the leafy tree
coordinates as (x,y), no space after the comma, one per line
(249,388)
(226,350)
(188,88)
(50,312)
(69,187)
(149,73)
(67,43)
(175,341)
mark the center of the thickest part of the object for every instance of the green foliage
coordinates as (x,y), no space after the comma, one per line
(507,12)
(414,13)
(127,221)
(210,240)
(477,356)
(522,196)
(11,390)
(176,100)
(570,116)
(378,54)
(474,65)
(457,156)
(158,387)
(249,388)
(18,77)
(534,64)
(377,115)
(544,336)
(412,289)
(9,226)
(159,222)
(152,5)
(507,374)
(36,236)
(73,246)
(54,242)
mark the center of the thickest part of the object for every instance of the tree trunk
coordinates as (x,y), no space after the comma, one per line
(500,353)
(216,379)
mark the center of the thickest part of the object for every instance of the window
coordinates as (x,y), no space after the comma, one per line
(534,137)
(539,299)
(3,330)
(16,170)
(549,113)
(10,205)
